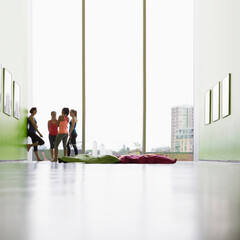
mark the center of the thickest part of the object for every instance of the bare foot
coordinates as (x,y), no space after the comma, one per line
(28,147)
(40,160)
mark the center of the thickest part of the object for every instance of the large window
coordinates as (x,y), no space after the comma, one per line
(57,59)
(169,69)
(113,75)
(114,71)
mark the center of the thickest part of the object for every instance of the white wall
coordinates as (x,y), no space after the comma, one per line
(217,53)
(13,40)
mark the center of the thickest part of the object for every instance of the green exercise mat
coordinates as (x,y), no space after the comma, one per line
(84,158)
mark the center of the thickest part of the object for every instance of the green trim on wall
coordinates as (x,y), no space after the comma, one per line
(13,137)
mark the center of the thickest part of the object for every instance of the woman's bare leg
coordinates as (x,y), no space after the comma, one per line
(65,152)
(51,150)
(31,145)
(37,156)
(56,155)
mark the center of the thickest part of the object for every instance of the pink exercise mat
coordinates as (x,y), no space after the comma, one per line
(151,159)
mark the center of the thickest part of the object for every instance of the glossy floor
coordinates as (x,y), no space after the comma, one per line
(184,201)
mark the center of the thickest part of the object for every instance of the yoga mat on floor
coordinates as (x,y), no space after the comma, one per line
(84,158)
(147,159)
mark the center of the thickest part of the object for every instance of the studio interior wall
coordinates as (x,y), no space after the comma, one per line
(217,53)
(13,57)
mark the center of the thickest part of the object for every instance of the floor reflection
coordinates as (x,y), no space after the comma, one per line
(78,201)
(219,201)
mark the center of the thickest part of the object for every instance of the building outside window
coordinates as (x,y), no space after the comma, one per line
(182,129)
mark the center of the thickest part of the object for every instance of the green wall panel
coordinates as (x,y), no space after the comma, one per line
(13,137)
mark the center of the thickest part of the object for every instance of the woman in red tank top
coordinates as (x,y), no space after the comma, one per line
(53,132)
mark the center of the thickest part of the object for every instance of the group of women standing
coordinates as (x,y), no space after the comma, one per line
(58,132)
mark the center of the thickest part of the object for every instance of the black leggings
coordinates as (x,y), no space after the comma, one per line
(72,141)
(35,138)
(52,139)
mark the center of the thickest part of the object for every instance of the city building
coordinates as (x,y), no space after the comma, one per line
(182,132)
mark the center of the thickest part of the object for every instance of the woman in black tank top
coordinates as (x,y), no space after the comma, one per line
(32,129)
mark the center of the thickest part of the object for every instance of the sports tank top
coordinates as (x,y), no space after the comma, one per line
(31,128)
(74,127)
(53,128)
(63,126)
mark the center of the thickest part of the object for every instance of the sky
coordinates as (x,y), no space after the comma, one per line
(113,66)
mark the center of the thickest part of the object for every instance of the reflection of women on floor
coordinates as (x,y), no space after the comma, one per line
(32,129)
(62,133)
(53,132)
(72,133)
